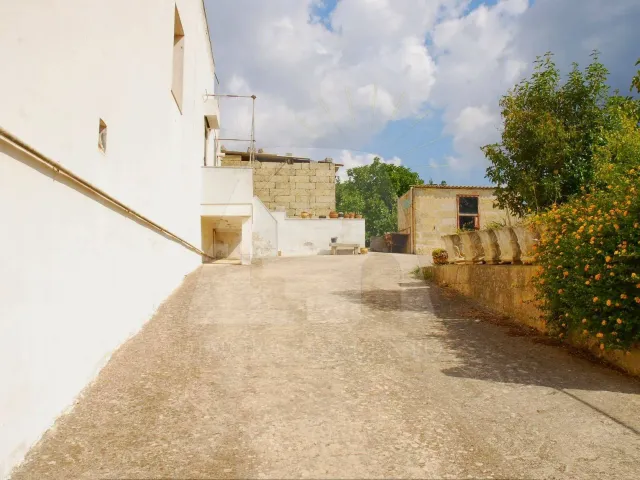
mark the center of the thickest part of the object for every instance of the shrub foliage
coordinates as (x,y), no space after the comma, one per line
(589,252)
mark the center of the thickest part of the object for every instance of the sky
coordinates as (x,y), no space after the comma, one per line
(415,82)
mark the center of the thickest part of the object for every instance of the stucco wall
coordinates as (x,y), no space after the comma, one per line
(312,236)
(509,290)
(435,211)
(77,277)
(297,187)
(265,231)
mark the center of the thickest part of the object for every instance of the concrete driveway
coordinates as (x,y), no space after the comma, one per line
(339,367)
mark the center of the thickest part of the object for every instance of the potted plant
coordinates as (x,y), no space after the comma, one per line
(440,256)
(333,214)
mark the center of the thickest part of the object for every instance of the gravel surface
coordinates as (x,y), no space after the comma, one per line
(339,367)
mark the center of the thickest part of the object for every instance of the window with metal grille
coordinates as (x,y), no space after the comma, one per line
(468,213)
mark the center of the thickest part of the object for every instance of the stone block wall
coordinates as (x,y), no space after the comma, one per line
(510,290)
(296,187)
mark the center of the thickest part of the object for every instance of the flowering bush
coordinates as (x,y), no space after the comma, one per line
(589,252)
(440,256)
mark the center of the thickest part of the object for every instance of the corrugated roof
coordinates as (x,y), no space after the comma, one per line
(469,187)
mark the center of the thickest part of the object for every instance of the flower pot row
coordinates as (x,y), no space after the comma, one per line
(493,246)
(344,215)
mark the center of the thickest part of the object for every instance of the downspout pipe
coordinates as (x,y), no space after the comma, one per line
(23,146)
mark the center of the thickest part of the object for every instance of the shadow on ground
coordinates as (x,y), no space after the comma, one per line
(490,347)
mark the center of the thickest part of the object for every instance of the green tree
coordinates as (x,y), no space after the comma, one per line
(373,191)
(550,132)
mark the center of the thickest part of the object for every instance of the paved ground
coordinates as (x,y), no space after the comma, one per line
(340,367)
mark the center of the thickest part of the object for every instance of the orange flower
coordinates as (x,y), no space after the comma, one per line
(604,322)
(598,276)
(619,321)
(599,334)
(561,291)
(584,320)
(595,299)
(607,259)
(588,282)
(586,268)
(585,332)
(565,273)
(608,303)
(602,346)
(623,296)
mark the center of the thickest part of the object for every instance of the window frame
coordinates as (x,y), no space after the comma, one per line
(476,217)
(177,60)
(102,136)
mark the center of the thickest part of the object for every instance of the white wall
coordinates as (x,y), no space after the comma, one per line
(311,236)
(227,185)
(77,278)
(265,231)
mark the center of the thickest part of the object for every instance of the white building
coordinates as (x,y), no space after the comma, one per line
(111,191)
(113,91)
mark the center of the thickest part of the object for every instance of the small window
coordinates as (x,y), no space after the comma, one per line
(102,136)
(178,59)
(468,214)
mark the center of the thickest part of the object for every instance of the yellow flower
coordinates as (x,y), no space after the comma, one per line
(607,259)
(588,282)
(633,275)
(623,296)
(584,320)
(599,334)
(608,303)
(604,322)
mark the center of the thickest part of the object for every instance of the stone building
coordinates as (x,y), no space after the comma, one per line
(426,212)
(288,183)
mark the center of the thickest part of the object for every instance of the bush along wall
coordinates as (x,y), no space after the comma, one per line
(589,257)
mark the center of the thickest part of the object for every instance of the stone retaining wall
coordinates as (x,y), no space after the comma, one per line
(508,290)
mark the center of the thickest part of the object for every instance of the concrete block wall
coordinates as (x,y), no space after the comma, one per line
(297,187)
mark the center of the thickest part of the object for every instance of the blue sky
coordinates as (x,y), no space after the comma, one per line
(416,82)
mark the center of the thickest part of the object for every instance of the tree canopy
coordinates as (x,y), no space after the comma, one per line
(373,191)
(550,133)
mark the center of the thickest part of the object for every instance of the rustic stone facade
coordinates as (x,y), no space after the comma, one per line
(295,185)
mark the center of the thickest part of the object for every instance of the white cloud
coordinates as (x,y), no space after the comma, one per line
(325,90)
(352,160)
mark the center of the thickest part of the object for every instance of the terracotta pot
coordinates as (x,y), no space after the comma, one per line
(304,215)
(490,246)
(333,214)
(508,243)
(358,216)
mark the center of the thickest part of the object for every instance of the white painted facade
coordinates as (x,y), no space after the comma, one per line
(312,236)
(77,277)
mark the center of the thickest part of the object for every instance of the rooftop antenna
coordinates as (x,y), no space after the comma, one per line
(252,140)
